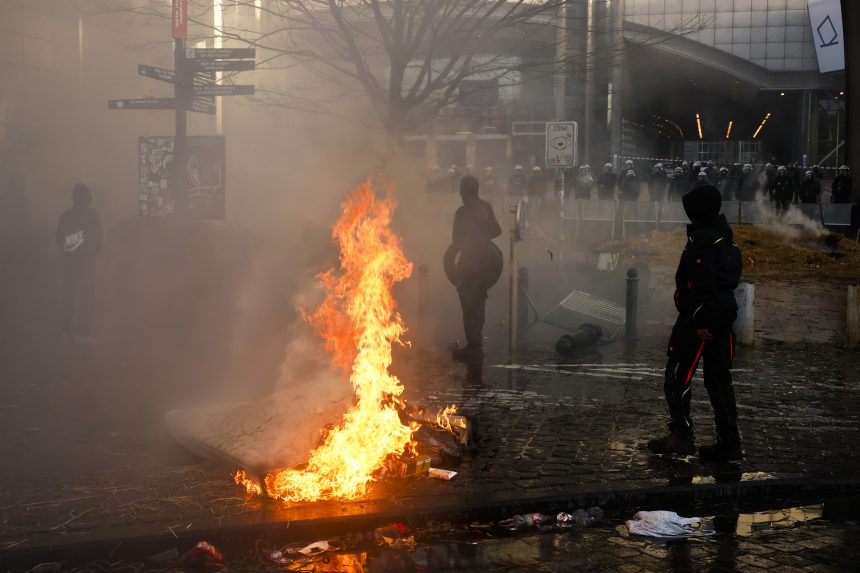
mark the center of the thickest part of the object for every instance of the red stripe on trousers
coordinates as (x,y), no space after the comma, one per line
(696,361)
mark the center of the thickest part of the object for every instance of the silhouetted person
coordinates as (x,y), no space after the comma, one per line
(606,183)
(488,183)
(517,182)
(810,188)
(708,273)
(783,189)
(584,183)
(658,183)
(841,188)
(475,226)
(727,186)
(678,185)
(748,184)
(79,240)
(630,186)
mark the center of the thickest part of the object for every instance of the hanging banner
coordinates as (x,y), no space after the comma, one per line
(180,19)
(825,17)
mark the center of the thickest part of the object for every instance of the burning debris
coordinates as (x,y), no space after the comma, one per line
(380,433)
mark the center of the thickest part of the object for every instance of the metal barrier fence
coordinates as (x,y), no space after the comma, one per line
(612,215)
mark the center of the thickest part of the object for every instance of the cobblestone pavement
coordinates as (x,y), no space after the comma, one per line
(544,427)
(790,539)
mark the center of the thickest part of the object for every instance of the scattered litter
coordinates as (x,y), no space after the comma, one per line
(278,557)
(563,520)
(441,474)
(583,517)
(203,554)
(666,525)
(314,548)
(409,466)
(395,535)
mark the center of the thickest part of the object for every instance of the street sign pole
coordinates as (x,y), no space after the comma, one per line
(180,94)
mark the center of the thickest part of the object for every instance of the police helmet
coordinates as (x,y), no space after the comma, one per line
(781,169)
(631,173)
(724,170)
(679,171)
(747,167)
(703,174)
(607,167)
(843,168)
(809,174)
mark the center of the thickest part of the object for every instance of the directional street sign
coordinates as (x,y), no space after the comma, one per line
(169,76)
(162,74)
(201,105)
(219,53)
(221,65)
(146,103)
(223,90)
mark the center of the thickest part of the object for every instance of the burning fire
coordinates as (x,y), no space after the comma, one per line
(442,419)
(250,485)
(359,324)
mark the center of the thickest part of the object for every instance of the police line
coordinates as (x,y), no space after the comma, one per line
(667,160)
(671,213)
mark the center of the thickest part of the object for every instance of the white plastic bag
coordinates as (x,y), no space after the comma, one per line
(665,525)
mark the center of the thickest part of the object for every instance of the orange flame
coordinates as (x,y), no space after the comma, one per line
(250,485)
(442,419)
(359,324)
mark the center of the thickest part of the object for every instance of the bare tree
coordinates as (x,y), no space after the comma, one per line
(409,59)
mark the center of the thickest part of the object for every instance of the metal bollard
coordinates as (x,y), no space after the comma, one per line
(630,326)
(522,301)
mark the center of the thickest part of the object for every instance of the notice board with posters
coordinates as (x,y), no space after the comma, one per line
(201,179)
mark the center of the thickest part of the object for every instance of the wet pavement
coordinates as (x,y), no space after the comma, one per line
(544,428)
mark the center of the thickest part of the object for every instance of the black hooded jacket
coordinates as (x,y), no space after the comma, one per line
(710,265)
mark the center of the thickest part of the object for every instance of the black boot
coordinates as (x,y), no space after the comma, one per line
(721,452)
(679,441)
(468,353)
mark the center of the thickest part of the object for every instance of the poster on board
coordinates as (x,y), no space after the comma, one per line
(202,178)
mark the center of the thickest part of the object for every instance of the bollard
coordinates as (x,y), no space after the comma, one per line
(853,319)
(744,323)
(630,326)
(522,300)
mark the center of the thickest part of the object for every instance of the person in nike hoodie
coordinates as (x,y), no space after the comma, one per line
(709,271)
(79,241)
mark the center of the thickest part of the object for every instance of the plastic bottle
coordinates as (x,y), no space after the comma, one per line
(526,520)
(583,517)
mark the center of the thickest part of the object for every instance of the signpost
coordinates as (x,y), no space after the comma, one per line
(220,53)
(561,142)
(201,105)
(561,139)
(143,103)
(180,19)
(194,89)
(221,65)
(228,90)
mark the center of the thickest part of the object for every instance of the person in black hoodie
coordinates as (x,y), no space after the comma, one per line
(79,240)
(707,275)
(475,227)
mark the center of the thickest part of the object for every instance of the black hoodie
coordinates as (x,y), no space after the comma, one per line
(710,265)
